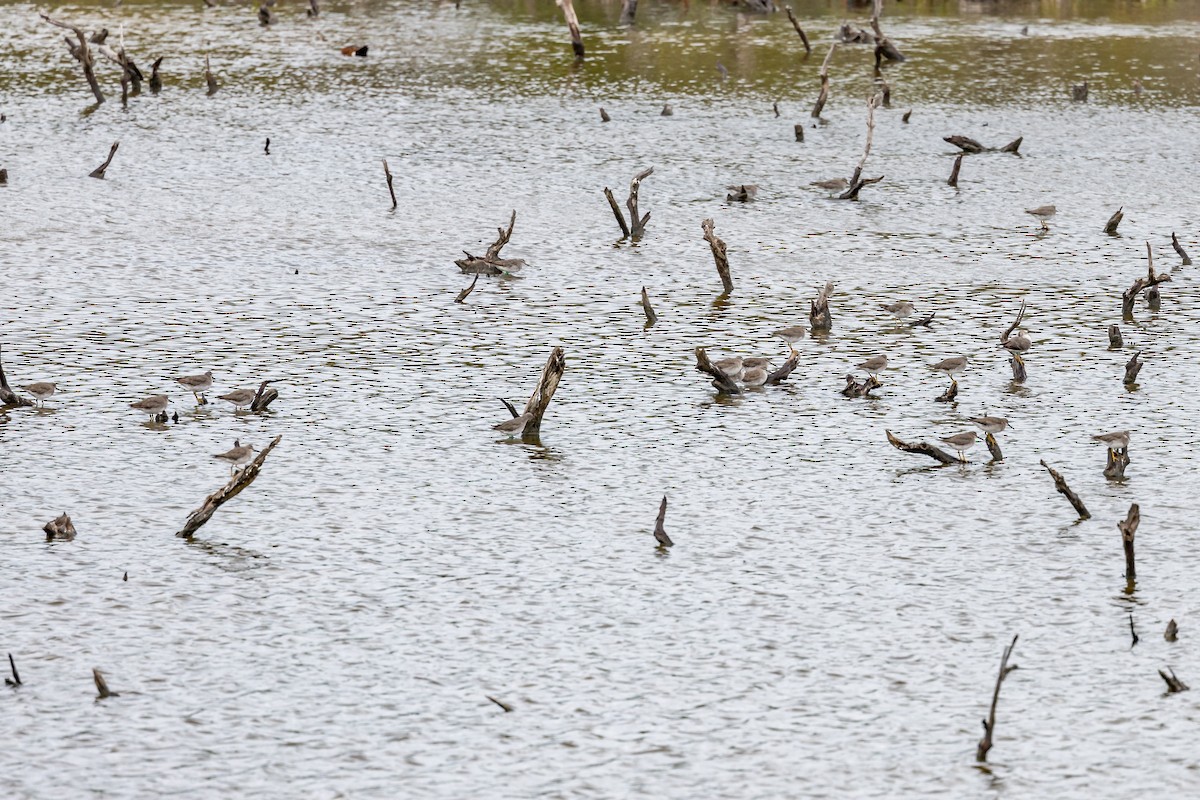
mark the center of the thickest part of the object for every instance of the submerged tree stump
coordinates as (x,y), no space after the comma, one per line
(1179,249)
(718,252)
(1115,342)
(1141,284)
(1128,528)
(1132,368)
(651,317)
(9,398)
(263,397)
(1111,226)
(1060,484)
(543,393)
(59,529)
(989,724)
(82,54)
(490,263)
(573,27)
(721,382)
(923,448)
(819,318)
(1118,460)
(241,479)
(637,223)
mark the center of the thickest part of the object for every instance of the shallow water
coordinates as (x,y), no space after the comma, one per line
(831,618)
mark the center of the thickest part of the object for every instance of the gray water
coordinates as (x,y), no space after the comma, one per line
(831,618)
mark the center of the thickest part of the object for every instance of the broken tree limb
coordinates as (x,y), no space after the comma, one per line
(8,397)
(241,479)
(1132,368)
(1060,484)
(721,382)
(651,317)
(102,690)
(98,172)
(970,146)
(1173,683)
(1018,368)
(628,11)
(857,182)
(824,74)
(1128,528)
(1110,227)
(59,529)
(989,724)
(263,397)
(1115,342)
(819,318)
(855,389)
(15,680)
(539,401)
(924,448)
(993,446)
(718,252)
(490,262)
(616,209)
(1115,463)
(210,79)
(82,54)
(883,47)
(463,294)
(387,173)
(660,533)
(781,374)
(1140,285)
(573,26)
(637,223)
(155,79)
(953,180)
(799,30)
(1179,249)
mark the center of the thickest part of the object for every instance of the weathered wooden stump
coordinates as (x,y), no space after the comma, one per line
(59,529)
(718,253)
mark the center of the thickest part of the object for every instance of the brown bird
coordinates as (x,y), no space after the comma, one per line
(151,405)
(514,426)
(1019,343)
(40,391)
(240,398)
(1117,440)
(791,335)
(1043,213)
(961,442)
(873,364)
(833,184)
(239,454)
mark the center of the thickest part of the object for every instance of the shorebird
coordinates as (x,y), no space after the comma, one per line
(952,366)
(755,376)
(241,398)
(1117,440)
(514,426)
(40,391)
(756,363)
(791,336)
(1043,213)
(151,405)
(1019,343)
(873,364)
(833,185)
(990,424)
(961,442)
(239,454)
(731,366)
(899,310)
(197,384)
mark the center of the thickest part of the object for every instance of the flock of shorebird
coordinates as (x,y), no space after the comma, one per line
(156,406)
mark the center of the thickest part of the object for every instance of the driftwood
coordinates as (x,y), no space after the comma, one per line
(857,182)
(667,111)
(971,147)
(491,263)
(4,177)
(1173,683)
(923,322)
(906,116)
(798,130)
(573,26)
(993,446)
(1115,342)
(848,34)
(59,529)
(1140,285)
(1128,528)
(99,171)
(651,317)
(155,79)
(637,223)
(507,708)
(604,117)
(1060,484)
(741,193)
(660,534)
(1153,298)
(1170,634)
(855,389)
(539,401)
(1079,92)
(824,74)
(102,690)
(387,173)
(616,209)
(799,30)
(1116,462)
(781,374)
(15,680)
(241,479)
(1110,227)
(989,724)
(953,180)
(263,397)
(721,382)
(1018,368)
(82,54)
(883,47)
(8,397)
(628,11)
(1132,368)
(924,448)
(463,294)
(210,79)
(819,318)
(1179,249)
(718,252)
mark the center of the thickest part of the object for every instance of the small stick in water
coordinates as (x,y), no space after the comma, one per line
(799,30)
(616,209)
(1170,634)
(573,26)
(98,172)
(391,190)
(660,535)
(1173,683)
(1179,249)
(1132,632)
(924,448)
(267,147)
(953,180)
(637,223)
(101,686)
(989,724)
(1111,226)
(775,108)
(718,252)
(907,114)
(15,680)
(799,130)
(507,708)
(463,294)
(1060,484)
(1128,528)
(824,75)
(155,80)
(651,317)
(210,79)
(511,408)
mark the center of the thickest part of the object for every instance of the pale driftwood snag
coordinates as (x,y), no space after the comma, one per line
(637,223)
(858,182)
(491,263)
(572,26)
(539,401)
(819,318)
(660,534)
(718,252)
(82,54)
(243,478)
(99,171)
(1141,284)
(924,448)
(989,724)
(819,106)
(721,382)
(1060,484)
(1128,528)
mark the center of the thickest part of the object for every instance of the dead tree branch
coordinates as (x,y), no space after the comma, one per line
(924,448)
(1128,528)
(391,190)
(989,724)
(1004,337)
(82,54)
(819,106)
(573,26)
(539,401)
(651,317)
(1060,484)
(1110,227)
(883,47)
(660,533)
(721,382)
(99,171)
(718,252)
(491,263)
(1132,368)
(59,529)
(637,224)
(1179,249)
(819,318)
(463,294)
(9,398)
(799,31)
(243,478)
(263,397)
(616,209)
(1140,285)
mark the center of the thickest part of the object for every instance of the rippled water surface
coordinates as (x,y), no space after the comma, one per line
(830,620)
